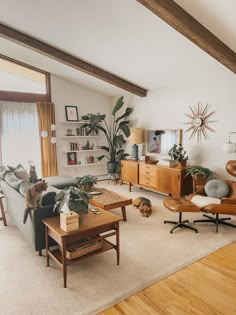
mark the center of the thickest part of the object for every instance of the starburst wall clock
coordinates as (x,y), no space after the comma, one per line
(199,121)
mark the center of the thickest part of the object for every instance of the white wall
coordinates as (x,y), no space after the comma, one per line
(166,108)
(67,93)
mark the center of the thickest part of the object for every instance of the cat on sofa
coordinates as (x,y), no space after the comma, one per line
(33,197)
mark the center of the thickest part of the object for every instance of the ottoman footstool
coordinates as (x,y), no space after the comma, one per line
(180,205)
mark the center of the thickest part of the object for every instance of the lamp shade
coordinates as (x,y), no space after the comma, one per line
(229,147)
(136,136)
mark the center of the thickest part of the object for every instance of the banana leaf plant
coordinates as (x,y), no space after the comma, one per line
(76,200)
(115,133)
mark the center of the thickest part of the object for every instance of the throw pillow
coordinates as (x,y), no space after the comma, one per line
(12,180)
(23,187)
(21,173)
(216,188)
(13,168)
(3,171)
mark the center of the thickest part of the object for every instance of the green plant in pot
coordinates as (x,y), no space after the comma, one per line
(76,199)
(115,134)
(199,174)
(178,153)
(85,182)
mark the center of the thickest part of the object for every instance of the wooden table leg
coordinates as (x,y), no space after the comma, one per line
(118,243)
(124,213)
(64,261)
(46,239)
(3,213)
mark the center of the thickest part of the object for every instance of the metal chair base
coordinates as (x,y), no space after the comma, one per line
(181,224)
(215,220)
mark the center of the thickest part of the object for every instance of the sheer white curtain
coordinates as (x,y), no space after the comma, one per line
(19,134)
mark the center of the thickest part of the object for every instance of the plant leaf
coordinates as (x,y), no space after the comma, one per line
(118,105)
(127,112)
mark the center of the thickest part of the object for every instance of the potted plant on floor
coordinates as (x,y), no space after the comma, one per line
(115,134)
(85,182)
(178,153)
(199,175)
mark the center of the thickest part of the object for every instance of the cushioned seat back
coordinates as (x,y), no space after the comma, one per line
(232,185)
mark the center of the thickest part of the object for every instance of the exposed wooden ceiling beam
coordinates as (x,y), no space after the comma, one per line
(170,12)
(67,59)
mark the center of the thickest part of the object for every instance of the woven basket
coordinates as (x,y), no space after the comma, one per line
(84,251)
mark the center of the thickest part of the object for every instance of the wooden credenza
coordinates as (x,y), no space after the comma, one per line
(166,180)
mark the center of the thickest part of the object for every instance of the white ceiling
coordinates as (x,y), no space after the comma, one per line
(120,36)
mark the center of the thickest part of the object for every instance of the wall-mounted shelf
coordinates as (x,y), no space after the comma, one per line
(75,122)
(82,151)
(77,137)
(80,165)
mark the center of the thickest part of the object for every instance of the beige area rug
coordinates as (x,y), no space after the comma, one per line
(148,253)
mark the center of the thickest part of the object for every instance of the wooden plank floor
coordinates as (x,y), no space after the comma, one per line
(208,286)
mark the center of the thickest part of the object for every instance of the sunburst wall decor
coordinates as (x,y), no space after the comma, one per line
(200,122)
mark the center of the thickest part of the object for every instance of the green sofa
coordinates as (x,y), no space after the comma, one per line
(33,230)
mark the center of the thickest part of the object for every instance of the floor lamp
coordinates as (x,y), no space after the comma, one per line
(136,137)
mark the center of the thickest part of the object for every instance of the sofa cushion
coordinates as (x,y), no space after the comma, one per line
(3,171)
(21,173)
(12,180)
(23,187)
(13,168)
(216,188)
(60,182)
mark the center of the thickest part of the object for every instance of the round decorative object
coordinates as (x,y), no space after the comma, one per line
(231,167)
(199,122)
(216,188)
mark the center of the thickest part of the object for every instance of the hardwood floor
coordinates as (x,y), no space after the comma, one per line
(208,286)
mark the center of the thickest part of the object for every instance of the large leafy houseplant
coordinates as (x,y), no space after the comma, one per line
(115,133)
(76,199)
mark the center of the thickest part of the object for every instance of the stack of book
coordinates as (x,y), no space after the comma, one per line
(167,162)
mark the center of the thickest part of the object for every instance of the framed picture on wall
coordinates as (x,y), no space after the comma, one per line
(71,113)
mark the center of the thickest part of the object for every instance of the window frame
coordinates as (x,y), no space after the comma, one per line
(24,96)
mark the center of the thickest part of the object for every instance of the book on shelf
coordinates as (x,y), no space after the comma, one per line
(167,162)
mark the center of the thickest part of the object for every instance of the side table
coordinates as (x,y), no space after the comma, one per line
(3,218)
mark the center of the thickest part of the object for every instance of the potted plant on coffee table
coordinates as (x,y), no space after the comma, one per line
(115,134)
(178,153)
(85,182)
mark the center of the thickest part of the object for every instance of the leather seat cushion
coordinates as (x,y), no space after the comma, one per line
(178,204)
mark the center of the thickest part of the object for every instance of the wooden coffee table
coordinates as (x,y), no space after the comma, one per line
(108,200)
(98,227)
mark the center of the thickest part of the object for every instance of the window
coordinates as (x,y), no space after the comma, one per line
(23,83)
(19,133)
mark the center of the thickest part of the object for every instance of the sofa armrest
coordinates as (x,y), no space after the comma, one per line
(39,228)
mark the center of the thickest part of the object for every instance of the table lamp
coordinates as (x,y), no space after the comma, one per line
(135,138)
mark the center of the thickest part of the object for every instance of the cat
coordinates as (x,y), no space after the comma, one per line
(33,174)
(144,205)
(33,197)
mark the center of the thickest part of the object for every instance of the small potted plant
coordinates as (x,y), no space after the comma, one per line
(199,174)
(178,153)
(85,182)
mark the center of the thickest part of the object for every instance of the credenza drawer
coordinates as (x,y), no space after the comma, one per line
(148,180)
